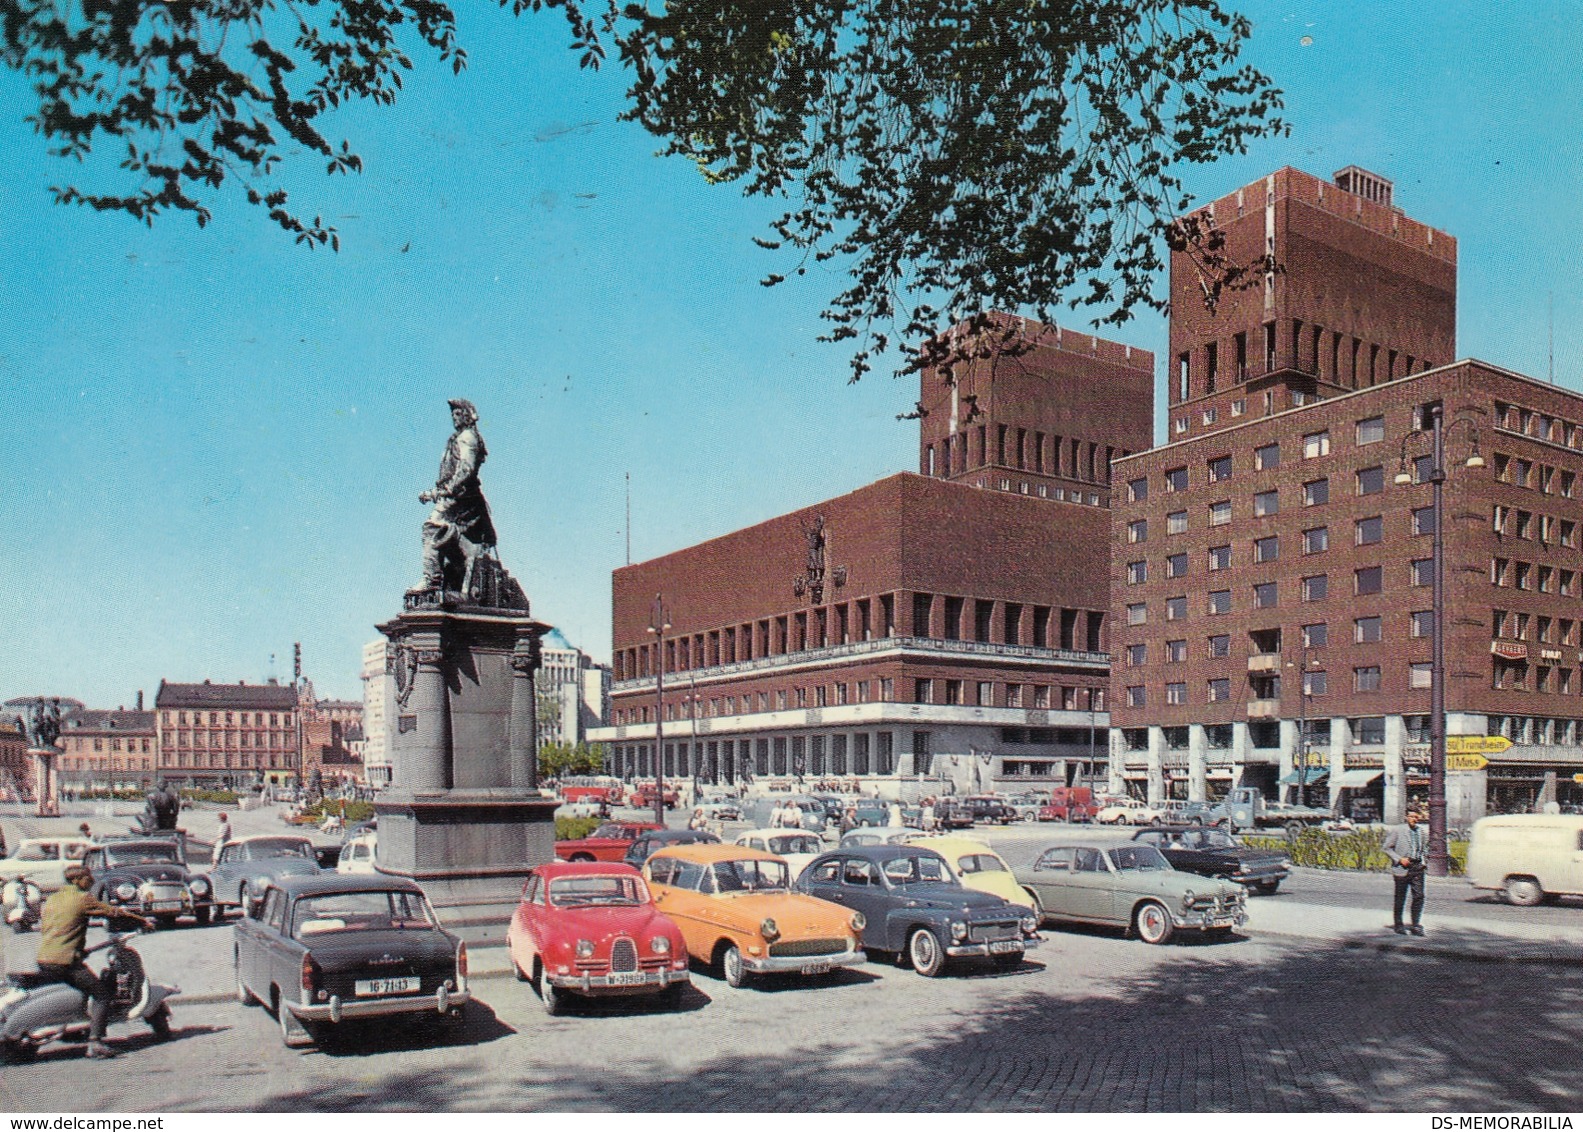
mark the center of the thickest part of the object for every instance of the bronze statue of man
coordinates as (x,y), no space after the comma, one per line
(458,530)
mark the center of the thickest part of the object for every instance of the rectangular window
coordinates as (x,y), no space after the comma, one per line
(1369,531)
(1371,431)
(1423,623)
(1138,531)
(1219,601)
(1264,595)
(1219,469)
(1219,557)
(1176,480)
(1219,690)
(1371,480)
(1176,523)
(1239,406)
(1316,492)
(1267,503)
(1268,457)
(1267,549)
(1175,608)
(1366,630)
(1220,646)
(986,693)
(1316,636)
(1137,656)
(1368,580)
(1176,565)
(1423,520)
(1137,573)
(1316,682)
(1175,652)
(1135,696)
(1366,679)
(923,692)
(1368,731)
(1137,491)
(1316,444)
(1137,613)
(1316,540)
(1176,693)
(1423,572)
(1220,513)
(1316,587)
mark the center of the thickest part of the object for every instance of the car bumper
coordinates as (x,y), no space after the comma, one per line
(1260,876)
(1209,920)
(339,1009)
(801,964)
(997,947)
(611,984)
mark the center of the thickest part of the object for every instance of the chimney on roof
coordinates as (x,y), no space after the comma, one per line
(140,699)
(206,680)
(1369,186)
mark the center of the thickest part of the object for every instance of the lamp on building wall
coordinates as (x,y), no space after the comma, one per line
(657,625)
(1438,859)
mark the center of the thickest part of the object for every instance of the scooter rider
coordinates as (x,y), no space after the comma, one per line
(63,936)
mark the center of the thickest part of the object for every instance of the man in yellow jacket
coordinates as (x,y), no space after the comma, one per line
(63,938)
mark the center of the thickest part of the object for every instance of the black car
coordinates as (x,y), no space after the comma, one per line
(321,950)
(651,841)
(953,813)
(148,876)
(1213,852)
(914,907)
(986,810)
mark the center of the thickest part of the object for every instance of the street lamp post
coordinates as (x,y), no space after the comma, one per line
(657,625)
(1439,861)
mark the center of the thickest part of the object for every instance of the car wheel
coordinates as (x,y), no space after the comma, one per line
(928,957)
(243,995)
(517,972)
(1153,923)
(18,1051)
(1267,887)
(203,914)
(293,1033)
(1155,820)
(1008,962)
(166,921)
(671,996)
(159,1022)
(732,968)
(553,998)
(1524,892)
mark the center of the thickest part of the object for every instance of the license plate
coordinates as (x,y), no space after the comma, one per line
(1222,922)
(632,979)
(819,967)
(404,985)
(1004,947)
(165,906)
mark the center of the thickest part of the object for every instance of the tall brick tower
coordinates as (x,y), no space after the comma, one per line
(1362,295)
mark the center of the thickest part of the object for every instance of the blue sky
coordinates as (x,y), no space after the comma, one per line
(213,440)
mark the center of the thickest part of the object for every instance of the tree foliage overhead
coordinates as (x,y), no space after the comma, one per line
(947,158)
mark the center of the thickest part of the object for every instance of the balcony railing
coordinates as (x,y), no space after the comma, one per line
(1264,662)
(1264,709)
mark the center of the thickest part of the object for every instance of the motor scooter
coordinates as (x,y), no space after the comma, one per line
(33,1014)
(20,902)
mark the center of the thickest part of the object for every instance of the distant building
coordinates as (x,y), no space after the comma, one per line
(572,691)
(325,727)
(109,749)
(227,734)
(378,721)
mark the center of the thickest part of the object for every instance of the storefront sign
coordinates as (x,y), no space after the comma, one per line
(1365,762)
(1510,650)
(1466,762)
(1477,744)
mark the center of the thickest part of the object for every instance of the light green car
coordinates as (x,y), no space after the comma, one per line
(1133,887)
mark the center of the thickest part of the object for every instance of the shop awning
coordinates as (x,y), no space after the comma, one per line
(1313,776)
(1356,778)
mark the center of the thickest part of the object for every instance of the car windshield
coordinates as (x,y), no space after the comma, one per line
(794,843)
(981,863)
(122,856)
(1138,859)
(359,912)
(268,850)
(750,875)
(613,891)
(1216,839)
(917,870)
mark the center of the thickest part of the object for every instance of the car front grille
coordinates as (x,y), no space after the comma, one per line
(794,948)
(159,893)
(623,955)
(994,931)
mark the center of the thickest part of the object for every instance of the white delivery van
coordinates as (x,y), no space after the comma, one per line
(1528,856)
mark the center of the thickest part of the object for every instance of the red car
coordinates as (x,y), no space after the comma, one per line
(643,796)
(609,842)
(591,928)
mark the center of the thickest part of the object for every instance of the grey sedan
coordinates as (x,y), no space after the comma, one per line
(246,867)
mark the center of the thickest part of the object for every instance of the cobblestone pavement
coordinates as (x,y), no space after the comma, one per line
(1093,1022)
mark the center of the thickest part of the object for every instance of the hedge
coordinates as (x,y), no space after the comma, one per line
(1358,850)
(571,829)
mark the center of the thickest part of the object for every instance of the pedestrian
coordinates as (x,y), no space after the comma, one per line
(895,813)
(63,934)
(87,834)
(791,817)
(777,816)
(1406,846)
(222,836)
(927,817)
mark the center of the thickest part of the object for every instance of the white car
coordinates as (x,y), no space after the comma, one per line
(357,855)
(1129,812)
(793,846)
(44,859)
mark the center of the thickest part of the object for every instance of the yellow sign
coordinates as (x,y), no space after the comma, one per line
(1466,762)
(1577,778)
(1477,744)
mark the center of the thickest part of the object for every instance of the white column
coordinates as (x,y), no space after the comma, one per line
(1340,739)
(1197,763)
(1156,787)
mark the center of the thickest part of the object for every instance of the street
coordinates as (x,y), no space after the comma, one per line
(1092,1021)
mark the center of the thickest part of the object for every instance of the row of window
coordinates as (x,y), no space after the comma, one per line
(1365,631)
(230,719)
(1366,580)
(225,760)
(1537,477)
(795,754)
(987,693)
(76,743)
(1021,448)
(1547,630)
(1316,682)
(233,739)
(1541,426)
(1365,731)
(1362,364)
(1514,522)
(1315,540)
(1529,576)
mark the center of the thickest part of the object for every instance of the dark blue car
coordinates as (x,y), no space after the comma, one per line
(916,909)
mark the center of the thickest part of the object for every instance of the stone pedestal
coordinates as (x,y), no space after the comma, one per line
(463,815)
(46,781)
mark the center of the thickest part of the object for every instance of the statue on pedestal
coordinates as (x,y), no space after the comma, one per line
(458,531)
(43,724)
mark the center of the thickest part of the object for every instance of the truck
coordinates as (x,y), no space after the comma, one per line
(1249,809)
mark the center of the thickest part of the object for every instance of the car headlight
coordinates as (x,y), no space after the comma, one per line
(859,921)
(769,929)
(585,948)
(1029,925)
(199,886)
(125,891)
(660,945)
(958,930)
(1187,899)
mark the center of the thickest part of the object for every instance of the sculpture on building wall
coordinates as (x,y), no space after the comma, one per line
(458,531)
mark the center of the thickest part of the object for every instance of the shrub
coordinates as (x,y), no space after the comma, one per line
(350,812)
(220,797)
(570,829)
(1357,850)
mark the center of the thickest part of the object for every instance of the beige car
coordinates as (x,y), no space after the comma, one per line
(44,859)
(1528,857)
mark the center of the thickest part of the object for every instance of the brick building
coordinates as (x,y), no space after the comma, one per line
(109,748)
(1272,582)
(227,734)
(943,625)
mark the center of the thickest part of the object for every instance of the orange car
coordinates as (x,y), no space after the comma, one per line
(736,910)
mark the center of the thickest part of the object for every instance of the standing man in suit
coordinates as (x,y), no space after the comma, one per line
(1407,846)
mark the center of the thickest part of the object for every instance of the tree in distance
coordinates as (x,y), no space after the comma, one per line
(947,158)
